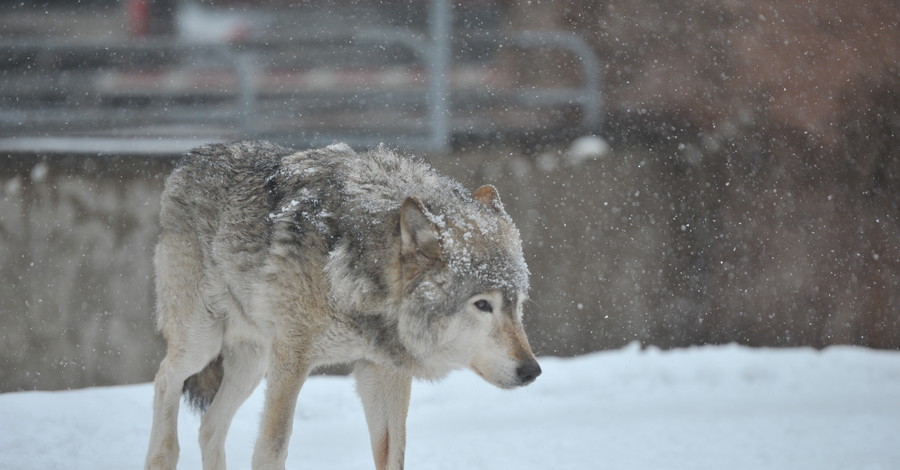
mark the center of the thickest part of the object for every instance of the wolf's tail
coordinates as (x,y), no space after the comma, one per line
(201,388)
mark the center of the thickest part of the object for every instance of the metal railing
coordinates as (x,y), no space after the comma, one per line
(273,89)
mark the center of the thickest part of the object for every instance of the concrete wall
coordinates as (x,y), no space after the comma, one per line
(663,248)
(76,241)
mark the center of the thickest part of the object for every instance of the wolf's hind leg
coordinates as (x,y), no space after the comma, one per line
(194,338)
(244,366)
(385,397)
(175,368)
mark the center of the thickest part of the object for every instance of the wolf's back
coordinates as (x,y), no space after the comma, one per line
(219,180)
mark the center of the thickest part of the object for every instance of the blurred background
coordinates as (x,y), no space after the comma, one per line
(683,172)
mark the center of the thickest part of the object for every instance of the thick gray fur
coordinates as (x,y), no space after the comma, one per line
(272,262)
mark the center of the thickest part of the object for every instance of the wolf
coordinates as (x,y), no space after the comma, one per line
(272,261)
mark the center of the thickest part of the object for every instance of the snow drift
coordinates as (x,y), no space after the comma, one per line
(720,407)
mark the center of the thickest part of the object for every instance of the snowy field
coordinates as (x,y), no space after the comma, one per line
(724,407)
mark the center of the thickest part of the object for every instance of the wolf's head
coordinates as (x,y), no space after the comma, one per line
(464,281)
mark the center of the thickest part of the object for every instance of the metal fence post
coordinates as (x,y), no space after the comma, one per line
(439,22)
(246,64)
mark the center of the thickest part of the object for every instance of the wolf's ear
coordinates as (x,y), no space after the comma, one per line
(488,196)
(418,235)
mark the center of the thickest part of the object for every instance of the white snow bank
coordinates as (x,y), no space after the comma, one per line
(701,408)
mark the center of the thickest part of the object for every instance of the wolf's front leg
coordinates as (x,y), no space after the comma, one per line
(385,397)
(283,382)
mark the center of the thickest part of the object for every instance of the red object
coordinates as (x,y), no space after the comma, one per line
(138,12)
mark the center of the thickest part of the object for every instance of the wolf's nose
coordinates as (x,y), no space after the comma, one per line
(528,372)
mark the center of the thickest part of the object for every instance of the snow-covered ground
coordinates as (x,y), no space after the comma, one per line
(723,407)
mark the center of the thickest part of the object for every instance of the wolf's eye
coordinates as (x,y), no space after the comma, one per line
(484,306)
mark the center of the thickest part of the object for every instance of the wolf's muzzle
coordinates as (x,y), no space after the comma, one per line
(528,372)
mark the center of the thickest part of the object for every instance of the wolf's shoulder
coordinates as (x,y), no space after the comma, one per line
(381,179)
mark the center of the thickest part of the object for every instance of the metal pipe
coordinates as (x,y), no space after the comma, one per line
(440,17)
